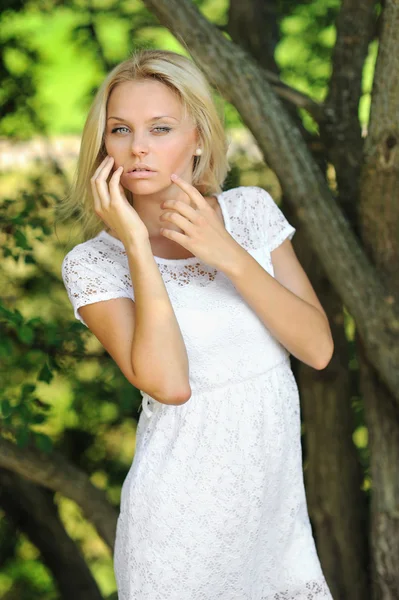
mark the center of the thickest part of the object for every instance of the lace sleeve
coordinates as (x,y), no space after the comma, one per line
(276,226)
(87,283)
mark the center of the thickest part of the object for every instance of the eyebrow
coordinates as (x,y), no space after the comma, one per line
(149,120)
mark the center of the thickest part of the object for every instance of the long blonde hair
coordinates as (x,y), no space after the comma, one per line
(182,76)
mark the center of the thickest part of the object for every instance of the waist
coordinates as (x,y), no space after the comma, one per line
(149,404)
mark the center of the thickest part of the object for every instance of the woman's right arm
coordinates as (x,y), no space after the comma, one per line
(143,337)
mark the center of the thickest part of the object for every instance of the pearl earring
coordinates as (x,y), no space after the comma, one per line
(198,152)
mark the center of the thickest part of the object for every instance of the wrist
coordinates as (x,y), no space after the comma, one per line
(137,246)
(235,265)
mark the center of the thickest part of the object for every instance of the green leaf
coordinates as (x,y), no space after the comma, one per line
(25,334)
(21,241)
(24,412)
(5,347)
(22,437)
(43,442)
(6,408)
(27,389)
(45,374)
(38,419)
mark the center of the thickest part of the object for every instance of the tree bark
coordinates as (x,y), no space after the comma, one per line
(383,427)
(379,223)
(340,130)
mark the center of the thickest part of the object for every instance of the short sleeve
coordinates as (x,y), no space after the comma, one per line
(275,225)
(88,282)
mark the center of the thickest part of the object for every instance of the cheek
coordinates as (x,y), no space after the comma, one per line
(110,145)
(117,143)
(176,150)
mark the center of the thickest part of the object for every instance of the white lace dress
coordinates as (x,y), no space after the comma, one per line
(213,506)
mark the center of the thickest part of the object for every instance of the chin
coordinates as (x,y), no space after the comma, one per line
(145,186)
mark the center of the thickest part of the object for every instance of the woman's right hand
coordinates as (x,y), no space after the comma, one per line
(112,206)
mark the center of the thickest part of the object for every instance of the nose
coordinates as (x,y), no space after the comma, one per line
(139,144)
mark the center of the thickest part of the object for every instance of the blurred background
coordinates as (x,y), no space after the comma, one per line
(68,415)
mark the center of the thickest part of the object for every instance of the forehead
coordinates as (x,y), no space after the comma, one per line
(145,98)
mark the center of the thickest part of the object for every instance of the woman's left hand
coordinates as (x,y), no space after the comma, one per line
(204,234)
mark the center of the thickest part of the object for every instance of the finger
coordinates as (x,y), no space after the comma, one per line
(105,170)
(191,192)
(180,238)
(114,183)
(96,198)
(184,224)
(98,204)
(182,208)
(100,166)
(101,182)
(100,169)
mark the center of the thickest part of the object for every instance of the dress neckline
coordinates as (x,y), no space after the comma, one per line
(177,261)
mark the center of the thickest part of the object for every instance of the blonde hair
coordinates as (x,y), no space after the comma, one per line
(183,77)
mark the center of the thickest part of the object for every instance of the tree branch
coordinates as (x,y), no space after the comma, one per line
(298,99)
(56,473)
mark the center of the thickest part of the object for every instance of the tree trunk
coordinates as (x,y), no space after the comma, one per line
(383,426)
(379,226)
(333,475)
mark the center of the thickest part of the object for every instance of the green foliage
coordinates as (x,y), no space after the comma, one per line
(305,48)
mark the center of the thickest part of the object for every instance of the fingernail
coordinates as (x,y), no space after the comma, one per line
(174,176)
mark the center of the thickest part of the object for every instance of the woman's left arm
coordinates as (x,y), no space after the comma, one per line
(286,303)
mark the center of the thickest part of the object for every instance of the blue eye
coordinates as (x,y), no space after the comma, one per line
(119,128)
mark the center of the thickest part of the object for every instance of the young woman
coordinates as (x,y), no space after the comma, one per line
(198,296)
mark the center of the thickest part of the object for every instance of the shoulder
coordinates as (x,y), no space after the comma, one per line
(97,251)
(242,192)
(246,195)
(96,256)
(254,199)
(80,256)
(247,203)
(256,214)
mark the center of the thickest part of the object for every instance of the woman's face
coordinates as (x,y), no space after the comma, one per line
(145,124)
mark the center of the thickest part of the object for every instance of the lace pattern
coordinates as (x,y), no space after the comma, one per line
(91,273)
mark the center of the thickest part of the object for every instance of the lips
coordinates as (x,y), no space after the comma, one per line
(138,174)
(141,169)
